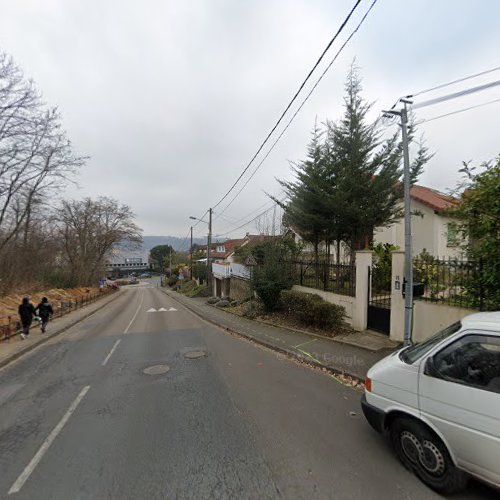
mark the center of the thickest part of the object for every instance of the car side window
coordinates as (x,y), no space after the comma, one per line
(473,360)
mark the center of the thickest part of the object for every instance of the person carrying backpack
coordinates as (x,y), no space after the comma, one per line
(45,312)
(26,312)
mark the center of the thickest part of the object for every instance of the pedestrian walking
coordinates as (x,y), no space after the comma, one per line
(45,311)
(26,313)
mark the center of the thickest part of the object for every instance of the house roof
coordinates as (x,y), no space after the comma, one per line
(229,247)
(432,198)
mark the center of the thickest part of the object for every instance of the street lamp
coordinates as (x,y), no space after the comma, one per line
(209,244)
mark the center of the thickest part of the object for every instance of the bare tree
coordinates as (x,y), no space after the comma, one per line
(89,230)
(36,158)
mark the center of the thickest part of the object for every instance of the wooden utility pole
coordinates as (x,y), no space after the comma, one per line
(209,266)
(191,255)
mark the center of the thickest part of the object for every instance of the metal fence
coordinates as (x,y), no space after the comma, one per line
(453,282)
(336,278)
(10,325)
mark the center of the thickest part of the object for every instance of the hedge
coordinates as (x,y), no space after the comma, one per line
(311,309)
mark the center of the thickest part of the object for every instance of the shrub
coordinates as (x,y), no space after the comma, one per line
(311,309)
(187,286)
(223,303)
(271,276)
(172,281)
(213,300)
(198,291)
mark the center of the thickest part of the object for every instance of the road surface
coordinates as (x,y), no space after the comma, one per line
(80,419)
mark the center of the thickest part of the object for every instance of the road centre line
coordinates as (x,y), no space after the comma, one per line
(111,352)
(136,312)
(46,444)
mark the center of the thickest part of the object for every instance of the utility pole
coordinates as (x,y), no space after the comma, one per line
(408,281)
(209,267)
(191,256)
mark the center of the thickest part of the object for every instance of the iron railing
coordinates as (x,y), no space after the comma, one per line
(336,278)
(11,326)
(453,282)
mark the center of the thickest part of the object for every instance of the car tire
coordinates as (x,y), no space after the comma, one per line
(422,452)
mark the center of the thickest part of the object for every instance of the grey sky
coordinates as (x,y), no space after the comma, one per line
(171,99)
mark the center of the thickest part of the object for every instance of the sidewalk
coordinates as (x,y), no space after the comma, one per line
(337,356)
(15,347)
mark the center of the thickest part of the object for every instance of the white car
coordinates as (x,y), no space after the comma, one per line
(439,401)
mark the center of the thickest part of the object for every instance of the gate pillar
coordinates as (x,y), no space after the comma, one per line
(360,310)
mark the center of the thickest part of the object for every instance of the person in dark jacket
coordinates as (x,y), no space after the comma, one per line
(26,313)
(45,311)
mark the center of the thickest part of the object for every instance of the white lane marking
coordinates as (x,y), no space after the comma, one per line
(136,313)
(172,309)
(46,444)
(162,309)
(111,352)
(152,310)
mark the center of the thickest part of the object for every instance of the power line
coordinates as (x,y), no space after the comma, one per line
(184,241)
(268,203)
(246,223)
(342,26)
(448,97)
(437,87)
(425,120)
(301,106)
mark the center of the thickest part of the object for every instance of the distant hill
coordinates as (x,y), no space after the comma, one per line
(179,244)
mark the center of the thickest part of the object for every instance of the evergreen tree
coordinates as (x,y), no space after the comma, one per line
(351,181)
(364,172)
(304,211)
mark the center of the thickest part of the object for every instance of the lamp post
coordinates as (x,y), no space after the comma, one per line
(209,244)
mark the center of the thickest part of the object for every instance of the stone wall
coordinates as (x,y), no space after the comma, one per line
(239,289)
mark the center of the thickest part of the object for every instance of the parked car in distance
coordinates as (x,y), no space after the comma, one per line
(133,281)
(439,402)
(145,275)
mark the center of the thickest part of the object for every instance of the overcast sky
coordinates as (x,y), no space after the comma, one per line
(171,99)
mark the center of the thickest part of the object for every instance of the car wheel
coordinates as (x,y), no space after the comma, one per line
(422,452)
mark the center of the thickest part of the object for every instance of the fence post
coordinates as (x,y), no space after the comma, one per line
(360,310)
(397,299)
(325,269)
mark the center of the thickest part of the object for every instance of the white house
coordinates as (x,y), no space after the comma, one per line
(432,229)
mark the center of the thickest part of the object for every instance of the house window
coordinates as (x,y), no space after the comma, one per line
(452,235)
(221,249)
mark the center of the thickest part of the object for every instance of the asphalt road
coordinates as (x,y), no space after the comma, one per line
(79,418)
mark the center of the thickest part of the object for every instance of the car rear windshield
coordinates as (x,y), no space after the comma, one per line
(415,352)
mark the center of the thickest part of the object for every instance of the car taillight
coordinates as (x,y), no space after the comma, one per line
(368,384)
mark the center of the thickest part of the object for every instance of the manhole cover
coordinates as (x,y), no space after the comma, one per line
(156,370)
(195,354)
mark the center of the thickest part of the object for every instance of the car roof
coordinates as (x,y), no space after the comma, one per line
(483,321)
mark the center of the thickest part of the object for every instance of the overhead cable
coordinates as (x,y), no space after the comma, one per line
(341,28)
(425,120)
(246,223)
(448,97)
(300,107)
(437,87)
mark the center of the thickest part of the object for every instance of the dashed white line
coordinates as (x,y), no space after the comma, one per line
(111,352)
(46,444)
(136,313)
